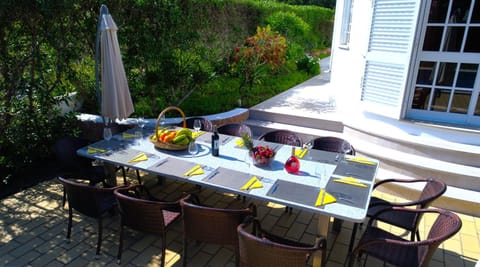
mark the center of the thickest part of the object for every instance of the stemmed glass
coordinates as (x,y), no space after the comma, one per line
(192,148)
(308,146)
(107,135)
(346,148)
(197,125)
(140,123)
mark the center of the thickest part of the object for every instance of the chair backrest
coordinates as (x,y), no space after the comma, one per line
(446,225)
(235,129)
(65,151)
(207,125)
(212,225)
(285,137)
(144,215)
(331,144)
(258,250)
(86,199)
(432,190)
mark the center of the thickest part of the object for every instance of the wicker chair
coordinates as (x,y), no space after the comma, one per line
(211,225)
(235,129)
(433,189)
(260,248)
(332,144)
(285,137)
(207,125)
(145,215)
(401,252)
(90,201)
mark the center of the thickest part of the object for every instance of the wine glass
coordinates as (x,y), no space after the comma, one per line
(107,133)
(192,148)
(346,148)
(308,146)
(197,125)
(141,122)
(162,120)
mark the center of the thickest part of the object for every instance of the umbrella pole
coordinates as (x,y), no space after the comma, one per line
(103,11)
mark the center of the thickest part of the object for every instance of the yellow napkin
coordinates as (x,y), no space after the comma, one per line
(300,153)
(324,198)
(360,160)
(93,150)
(140,157)
(197,134)
(252,183)
(239,142)
(127,135)
(196,170)
(350,181)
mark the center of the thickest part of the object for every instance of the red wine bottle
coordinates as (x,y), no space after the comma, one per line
(292,165)
(215,142)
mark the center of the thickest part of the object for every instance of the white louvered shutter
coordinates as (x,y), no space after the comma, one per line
(388,57)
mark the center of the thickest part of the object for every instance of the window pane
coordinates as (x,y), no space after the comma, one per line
(438,11)
(446,72)
(425,73)
(459,13)
(466,75)
(460,101)
(421,98)
(453,39)
(476,13)
(433,39)
(473,40)
(477,108)
(440,100)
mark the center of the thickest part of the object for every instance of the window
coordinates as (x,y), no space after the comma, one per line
(346,23)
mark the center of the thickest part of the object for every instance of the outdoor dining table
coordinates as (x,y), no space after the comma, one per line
(348,179)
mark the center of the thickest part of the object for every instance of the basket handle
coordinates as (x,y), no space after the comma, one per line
(163,113)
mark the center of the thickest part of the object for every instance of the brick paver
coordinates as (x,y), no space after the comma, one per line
(33,226)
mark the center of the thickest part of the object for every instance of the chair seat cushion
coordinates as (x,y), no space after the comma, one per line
(393,254)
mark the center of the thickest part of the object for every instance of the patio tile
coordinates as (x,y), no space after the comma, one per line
(35,236)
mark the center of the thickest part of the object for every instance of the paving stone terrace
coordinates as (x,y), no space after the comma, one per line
(33,225)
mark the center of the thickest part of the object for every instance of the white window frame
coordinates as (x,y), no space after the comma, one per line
(346,23)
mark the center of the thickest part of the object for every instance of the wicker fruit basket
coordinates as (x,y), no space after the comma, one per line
(167,146)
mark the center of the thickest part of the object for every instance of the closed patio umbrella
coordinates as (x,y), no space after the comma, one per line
(114,96)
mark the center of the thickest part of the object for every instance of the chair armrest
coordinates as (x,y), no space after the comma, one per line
(398,180)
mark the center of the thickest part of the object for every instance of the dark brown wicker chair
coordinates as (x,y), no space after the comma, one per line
(401,252)
(235,129)
(260,248)
(432,190)
(144,215)
(285,137)
(88,200)
(211,225)
(331,144)
(207,125)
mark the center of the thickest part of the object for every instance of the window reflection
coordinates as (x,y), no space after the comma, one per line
(460,101)
(467,75)
(453,39)
(433,38)
(446,73)
(473,40)
(426,72)
(440,100)
(438,11)
(421,98)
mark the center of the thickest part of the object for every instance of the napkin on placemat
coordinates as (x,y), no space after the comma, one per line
(300,153)
(197,134)
(196,170)
(324,198)
(252,183)
(140,157)
(360,160)
(350,181)
(128,136)
(94,150)
(239,142)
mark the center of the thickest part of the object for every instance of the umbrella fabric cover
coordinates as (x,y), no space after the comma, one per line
(116,99)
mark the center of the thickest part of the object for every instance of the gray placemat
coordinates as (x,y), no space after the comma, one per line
(348,194)
(321,156)
(122,156)
(207,138)
(360,171)
(173,166)
(228,178)
(294,192)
